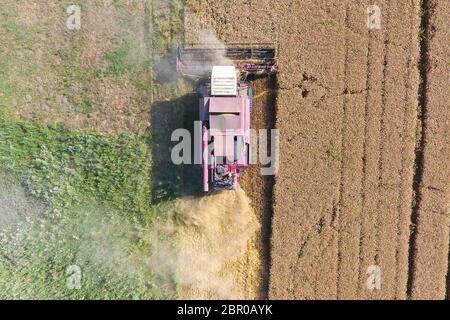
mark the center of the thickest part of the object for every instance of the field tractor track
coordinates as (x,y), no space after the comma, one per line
(420,146)
(428,257)
(405,184)
(343,146)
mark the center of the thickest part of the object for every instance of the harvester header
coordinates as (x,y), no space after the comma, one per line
(198,60)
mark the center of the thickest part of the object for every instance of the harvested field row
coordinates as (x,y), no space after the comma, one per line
(429,254)
(259,188)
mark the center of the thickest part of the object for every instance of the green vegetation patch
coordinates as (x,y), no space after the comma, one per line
(93,195)
(333,154)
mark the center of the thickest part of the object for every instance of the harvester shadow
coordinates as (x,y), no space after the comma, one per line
(170,181)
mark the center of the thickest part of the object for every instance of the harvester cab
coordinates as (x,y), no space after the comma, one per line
(225,105)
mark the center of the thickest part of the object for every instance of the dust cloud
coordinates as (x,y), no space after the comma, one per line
(15,206)
(201,248)
(214,234)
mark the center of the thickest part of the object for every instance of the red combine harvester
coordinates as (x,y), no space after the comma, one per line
(225,105)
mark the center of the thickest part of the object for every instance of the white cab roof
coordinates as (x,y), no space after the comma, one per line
(224,81)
